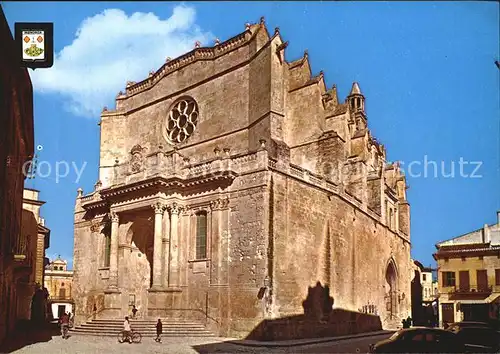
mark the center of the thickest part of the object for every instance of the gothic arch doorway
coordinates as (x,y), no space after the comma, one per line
(391,277)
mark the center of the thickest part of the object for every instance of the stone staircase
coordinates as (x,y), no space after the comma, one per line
(147,328)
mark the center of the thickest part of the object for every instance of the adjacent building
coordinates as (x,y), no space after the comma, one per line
(469,275)
(30,257)
(230,181)
(59,283)
(427,281)
(16,151)
(424,296)
(32,203)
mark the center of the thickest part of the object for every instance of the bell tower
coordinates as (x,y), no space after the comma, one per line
(356,103)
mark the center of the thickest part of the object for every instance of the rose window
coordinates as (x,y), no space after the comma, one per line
(182,120)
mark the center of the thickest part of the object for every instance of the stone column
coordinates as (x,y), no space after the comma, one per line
(173,278)
(113,262)
(159,209)
(215,265)
(166,248)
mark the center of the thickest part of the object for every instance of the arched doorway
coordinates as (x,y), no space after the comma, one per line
(137,262)
(391,278)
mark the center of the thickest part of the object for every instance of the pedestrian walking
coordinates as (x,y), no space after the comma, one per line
(64,322)
(159,331)
(134,311)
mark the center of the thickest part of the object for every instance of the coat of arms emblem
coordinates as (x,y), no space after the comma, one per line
(33,45)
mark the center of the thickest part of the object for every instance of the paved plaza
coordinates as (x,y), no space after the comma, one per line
(87,344)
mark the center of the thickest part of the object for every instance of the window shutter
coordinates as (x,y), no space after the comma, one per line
(201,236)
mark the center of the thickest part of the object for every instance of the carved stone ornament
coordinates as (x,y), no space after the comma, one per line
(113,216)
(175,208)
(95,227)
(159,208)
(181,120)
(220,204)
(136,159)
(187,211)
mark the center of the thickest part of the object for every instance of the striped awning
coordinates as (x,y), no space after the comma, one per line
(470,302)
(490,299)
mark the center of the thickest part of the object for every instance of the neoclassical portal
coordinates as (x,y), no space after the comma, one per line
(230,182)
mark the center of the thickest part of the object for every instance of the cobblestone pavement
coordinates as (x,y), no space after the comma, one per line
(86,344)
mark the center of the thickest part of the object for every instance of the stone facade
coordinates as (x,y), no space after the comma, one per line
(469,275)
(230,181)
(32,203)
(16,148)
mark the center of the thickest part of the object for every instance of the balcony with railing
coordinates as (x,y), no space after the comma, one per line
(61,298)
(470,291)
(22,258)
(172,167)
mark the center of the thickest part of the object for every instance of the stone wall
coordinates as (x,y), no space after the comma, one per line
(360,249)
(89,274)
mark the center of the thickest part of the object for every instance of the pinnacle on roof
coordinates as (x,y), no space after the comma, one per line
(355,89)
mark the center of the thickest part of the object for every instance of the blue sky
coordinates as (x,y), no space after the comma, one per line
(427,71)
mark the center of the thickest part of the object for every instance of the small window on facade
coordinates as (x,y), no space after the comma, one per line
(107,250)
(448,278)
(497,276)
(201,236)
(424,277)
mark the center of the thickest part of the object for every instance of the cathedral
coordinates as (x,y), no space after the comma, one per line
(230,182)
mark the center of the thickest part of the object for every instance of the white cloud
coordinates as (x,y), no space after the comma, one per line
(112,48)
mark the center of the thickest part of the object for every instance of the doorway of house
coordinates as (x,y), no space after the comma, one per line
(475,312)
(448,313)
(60,310)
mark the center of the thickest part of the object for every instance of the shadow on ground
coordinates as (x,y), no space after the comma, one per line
(319,320)
(27,333)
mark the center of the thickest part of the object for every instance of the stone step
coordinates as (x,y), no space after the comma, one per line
(107,333)
(141,321)
(133,325)
(138,328)
(145,323)
(147,328)
(96,330)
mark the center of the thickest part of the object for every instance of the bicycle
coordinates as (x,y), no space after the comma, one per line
(64,331)
(136,337)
